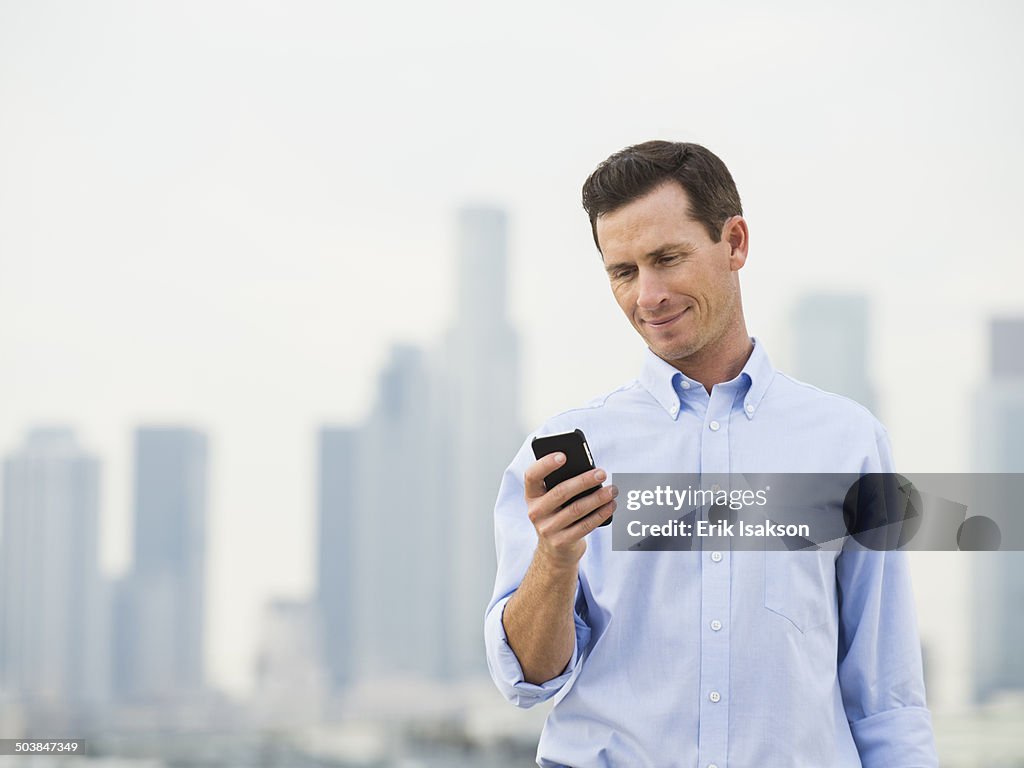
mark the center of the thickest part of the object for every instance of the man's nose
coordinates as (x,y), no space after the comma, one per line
(652,289)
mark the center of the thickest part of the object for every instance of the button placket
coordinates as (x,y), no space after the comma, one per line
(715,587)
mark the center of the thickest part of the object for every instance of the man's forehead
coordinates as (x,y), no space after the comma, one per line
(648,223)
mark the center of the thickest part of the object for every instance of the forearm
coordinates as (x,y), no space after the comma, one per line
(538,619)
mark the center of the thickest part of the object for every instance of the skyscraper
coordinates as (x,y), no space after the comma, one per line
(830,334)
(398,529)
(162,598)
(406,556)
(478,406)
(52,607)
(381,566)
(997,594)
(336,574)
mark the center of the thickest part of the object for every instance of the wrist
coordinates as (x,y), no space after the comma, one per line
(556,566)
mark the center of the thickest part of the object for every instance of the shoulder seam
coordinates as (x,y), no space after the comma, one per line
(598,402)
(834,395)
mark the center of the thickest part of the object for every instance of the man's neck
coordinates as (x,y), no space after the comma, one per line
(721,361)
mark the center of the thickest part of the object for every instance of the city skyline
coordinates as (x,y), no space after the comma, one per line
(402,383)
(234,238)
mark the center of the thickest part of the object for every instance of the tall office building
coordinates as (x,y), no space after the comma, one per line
(406,556)
(381,587)
(830,334)
(398,531)
(997,594)
(52,606)
(477,408)
(161,601)
(337,449)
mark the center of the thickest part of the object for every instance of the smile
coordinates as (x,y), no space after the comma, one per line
(666,321)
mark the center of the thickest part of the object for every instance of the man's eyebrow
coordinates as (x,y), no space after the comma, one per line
(681,246)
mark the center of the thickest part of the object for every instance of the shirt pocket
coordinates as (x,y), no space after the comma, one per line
(800,586)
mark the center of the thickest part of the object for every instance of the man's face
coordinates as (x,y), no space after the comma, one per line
(679,289)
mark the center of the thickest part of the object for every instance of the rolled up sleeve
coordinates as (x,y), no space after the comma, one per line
(505,668)
(880,671)
(879,654)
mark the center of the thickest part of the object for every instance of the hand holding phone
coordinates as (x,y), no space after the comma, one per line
(578,460)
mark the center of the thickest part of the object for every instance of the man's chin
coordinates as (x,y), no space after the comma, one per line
(672,353)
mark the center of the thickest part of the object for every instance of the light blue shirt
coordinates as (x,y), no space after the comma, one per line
(723,659)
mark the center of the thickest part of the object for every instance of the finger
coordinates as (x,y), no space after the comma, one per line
(585,525)
(565,490)
(533,478)
(582,507)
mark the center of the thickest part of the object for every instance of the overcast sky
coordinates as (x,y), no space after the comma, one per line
(223,214)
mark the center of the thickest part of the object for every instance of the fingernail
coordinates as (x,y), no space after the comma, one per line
(559,458)
(615,491)
(600,475)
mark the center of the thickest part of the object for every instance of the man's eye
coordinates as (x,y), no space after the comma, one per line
(671,259)
(622,274)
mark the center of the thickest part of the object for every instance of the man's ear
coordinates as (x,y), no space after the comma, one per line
(736,234)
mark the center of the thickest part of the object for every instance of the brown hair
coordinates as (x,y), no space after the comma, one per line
(634,171)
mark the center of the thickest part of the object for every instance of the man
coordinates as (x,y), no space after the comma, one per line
(714,658)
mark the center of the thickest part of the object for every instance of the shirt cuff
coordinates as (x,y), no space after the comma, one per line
(506,671)
(896,738)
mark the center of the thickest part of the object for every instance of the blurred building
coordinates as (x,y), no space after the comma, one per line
(159,621)
(380,569)
(335,579)
(406,557)
(52,606)
(830,333)
(400,545)
(997,594)
(478,408)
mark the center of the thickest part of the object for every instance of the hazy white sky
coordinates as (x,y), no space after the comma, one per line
(223,212)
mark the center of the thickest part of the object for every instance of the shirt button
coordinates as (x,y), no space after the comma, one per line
(675,409)
(714,426)
(686,384)
(750,408)
(716,556)
(716,625)
(715,697)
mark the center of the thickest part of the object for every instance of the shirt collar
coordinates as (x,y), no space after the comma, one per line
(667,385)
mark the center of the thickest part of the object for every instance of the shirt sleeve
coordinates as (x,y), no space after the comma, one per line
(879,654)
(516,540)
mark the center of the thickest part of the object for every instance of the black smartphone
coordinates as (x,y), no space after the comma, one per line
(577,460)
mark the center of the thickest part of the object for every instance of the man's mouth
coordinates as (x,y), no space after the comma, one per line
(664,321)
